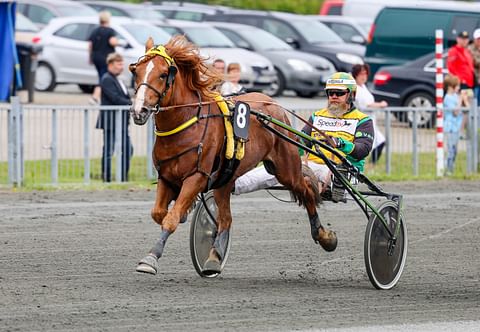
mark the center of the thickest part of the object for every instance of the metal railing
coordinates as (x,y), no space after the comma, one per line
(49,145)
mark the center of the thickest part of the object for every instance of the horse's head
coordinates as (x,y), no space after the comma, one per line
(154,76)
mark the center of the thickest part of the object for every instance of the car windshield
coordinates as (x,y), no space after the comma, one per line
(24,24)
(264,41)
(76,11)
(315,32)
(141,32)
(145,14)
(207,37)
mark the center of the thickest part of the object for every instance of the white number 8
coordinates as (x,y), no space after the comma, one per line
(241,119)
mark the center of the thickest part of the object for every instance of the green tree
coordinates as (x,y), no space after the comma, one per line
(293,6)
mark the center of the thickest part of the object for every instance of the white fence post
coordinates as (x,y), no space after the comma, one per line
(439,99)
(118,145)
(15,143)
(54,148)
(86,146)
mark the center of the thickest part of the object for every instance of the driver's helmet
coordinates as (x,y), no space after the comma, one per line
(341,81)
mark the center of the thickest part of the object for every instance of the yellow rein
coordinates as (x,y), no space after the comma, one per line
(183,126)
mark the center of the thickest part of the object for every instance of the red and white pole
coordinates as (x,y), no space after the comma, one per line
(439,99)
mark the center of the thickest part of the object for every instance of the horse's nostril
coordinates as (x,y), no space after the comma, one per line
(145,109)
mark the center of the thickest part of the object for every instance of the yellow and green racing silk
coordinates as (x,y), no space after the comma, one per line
(344,128)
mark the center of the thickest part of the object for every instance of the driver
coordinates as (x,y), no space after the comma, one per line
(351,133)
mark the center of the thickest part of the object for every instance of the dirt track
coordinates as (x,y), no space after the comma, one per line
(67,262)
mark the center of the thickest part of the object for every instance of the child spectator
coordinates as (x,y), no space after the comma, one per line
(231,86)
(452,119)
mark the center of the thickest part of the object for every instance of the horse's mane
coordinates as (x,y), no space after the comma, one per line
(197,74)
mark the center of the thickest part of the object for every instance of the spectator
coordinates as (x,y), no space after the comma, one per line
(101,42)
(453,119)
(474,49)
(232,86)
(460,64)
(114,92)
(364,100)
(219,65)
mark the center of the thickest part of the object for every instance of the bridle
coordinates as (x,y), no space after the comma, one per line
(172,71)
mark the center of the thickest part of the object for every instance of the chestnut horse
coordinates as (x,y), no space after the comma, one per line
(177,85)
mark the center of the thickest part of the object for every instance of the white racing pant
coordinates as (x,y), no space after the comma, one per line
(258,178)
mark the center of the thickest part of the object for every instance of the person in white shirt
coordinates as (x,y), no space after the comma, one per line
(232,86)
(365,100)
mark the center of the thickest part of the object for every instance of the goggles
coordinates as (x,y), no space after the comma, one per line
(338,93)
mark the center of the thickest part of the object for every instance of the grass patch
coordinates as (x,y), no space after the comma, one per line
(402,168)
(71,172)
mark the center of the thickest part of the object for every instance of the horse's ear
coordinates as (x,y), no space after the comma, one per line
(149,44)
(132,67)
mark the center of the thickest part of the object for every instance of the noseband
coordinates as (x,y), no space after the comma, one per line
(172,71)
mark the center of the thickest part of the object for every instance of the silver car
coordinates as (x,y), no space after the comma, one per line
(41,12)
(65,49)
(257,72)
(302,72)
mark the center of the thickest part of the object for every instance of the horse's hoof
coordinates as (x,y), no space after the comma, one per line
(328,241)
(148,264)
(212,267)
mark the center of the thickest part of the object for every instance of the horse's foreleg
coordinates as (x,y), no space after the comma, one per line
(190,188)
(224,222)
(164,196)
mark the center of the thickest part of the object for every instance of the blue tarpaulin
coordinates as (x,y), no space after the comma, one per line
(8,53)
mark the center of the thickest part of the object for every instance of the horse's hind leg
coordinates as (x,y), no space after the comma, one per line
(170,220)
(290,176)
(224,222)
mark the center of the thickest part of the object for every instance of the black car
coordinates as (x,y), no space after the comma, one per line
(302,33)
(411,84)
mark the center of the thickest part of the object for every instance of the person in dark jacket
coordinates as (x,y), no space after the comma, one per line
(114,92)
(101,43)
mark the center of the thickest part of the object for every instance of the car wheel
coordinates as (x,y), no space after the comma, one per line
(86,88)
(425,119)
(305,94)
(44,77)
(278,85)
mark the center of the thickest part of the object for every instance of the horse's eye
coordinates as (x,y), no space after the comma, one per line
(163,76)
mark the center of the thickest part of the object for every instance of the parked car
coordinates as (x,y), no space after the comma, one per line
(25,30)
(407,31)
(411,84)
(302,33)
(131,10)
(302,72)
(41,12)
(65,54)
(350,29)
(257,72)
(188,11)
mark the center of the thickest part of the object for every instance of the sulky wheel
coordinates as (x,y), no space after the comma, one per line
(203,230)
(384,268)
